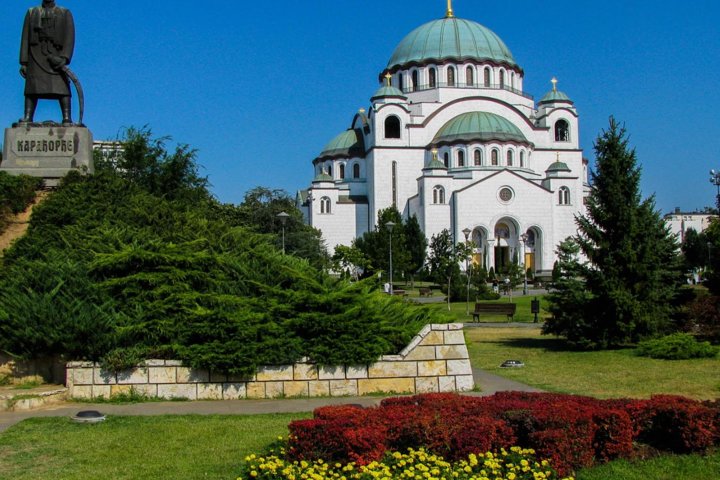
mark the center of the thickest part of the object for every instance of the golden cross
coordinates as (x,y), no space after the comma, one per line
(434,153)
(554,81)
(449,13)
(388,79)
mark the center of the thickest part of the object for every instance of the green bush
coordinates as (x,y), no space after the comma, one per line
(114,271)
(678,346)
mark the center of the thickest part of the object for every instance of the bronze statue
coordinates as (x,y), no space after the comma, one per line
(48,40)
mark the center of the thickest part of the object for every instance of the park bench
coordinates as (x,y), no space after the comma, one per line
(425,292)
(399,292)
(494,309)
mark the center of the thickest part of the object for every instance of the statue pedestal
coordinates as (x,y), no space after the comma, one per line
(47,151)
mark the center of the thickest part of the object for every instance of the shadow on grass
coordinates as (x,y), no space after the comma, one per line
(550,344)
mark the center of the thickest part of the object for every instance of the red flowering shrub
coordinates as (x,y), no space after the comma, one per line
(680,425)
(571,431)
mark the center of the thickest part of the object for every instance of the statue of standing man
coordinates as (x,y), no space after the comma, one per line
(47,45)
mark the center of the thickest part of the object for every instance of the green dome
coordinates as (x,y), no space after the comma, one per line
(388,91)
(479,126)
(555,96)
(349,143)
(558,166)
(322,177)
(450,39)
(435,164)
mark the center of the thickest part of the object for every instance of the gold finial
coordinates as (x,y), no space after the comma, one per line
(388,79)
(361,110)
(554,81)
(449,13)
(557,157)
(434,154)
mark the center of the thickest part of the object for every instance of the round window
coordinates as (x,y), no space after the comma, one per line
(505,194)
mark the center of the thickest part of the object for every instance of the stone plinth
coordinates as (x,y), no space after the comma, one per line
(47,151)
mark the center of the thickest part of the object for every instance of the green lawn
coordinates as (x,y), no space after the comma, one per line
(157,448)
(551,366)
(667,467)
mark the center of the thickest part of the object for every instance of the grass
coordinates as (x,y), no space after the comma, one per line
(552,366)
(161,447)
(666,467)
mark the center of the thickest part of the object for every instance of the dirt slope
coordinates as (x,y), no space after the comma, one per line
(18,224)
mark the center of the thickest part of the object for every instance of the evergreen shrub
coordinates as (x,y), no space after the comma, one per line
(678,346)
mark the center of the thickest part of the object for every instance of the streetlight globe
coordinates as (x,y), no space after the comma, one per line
(390,225)
(466,232)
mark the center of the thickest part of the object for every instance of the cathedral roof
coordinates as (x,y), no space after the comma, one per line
(555,96)
(558,166)
(479,126)
(450,38)
(349,143)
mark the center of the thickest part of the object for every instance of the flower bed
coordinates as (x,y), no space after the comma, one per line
(571,431)
(512,464)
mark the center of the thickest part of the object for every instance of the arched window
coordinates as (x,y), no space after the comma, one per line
(400,81)
(392,127)
(510,158)
(341,171)
(356,170)
(414,81)
(487,76)
(495,157)
(502,78)
(446,159)
(325,205)
(433,77)
(469,76)
(512,80)
(461,158)
(477,154)
(438,195)
(562,131)
(329,170)
(564,196)
(522,158)
(451,76)
(394,182)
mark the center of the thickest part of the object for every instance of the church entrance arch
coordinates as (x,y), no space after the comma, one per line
(533,249)
(506,242)
(479,245)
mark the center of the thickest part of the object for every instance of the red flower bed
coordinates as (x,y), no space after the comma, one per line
(570,431)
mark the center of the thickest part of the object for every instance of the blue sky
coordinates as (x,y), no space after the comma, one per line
(260,87)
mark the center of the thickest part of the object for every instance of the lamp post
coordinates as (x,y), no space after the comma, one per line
(283,218)
(467,233)
(390,226)
(524,238)
(715,180)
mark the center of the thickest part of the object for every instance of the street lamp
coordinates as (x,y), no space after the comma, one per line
(524,238)
(390,226)
(283,218)
(715,180)
(467,233)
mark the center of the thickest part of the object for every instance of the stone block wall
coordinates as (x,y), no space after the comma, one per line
(436,360)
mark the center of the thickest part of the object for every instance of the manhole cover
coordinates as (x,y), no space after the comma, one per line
(89,416)
(512,364)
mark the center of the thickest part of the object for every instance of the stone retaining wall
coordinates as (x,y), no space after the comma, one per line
(436,360)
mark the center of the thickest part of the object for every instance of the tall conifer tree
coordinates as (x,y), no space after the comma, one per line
(632,273)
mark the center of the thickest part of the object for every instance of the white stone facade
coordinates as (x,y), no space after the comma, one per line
(516,172)
(680,222)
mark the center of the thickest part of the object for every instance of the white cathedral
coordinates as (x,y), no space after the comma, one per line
(452,138)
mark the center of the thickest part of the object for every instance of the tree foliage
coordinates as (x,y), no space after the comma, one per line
(632,273)
(120,267)
(375,245)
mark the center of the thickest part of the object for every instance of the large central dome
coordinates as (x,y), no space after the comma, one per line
(450,39)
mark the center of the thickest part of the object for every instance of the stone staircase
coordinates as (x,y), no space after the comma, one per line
(19,400)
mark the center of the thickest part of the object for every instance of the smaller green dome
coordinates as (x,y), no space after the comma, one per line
(322,177)
(479,126)
(554,96)
(388,91)
(435,164)
(349,143)
(558,166)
